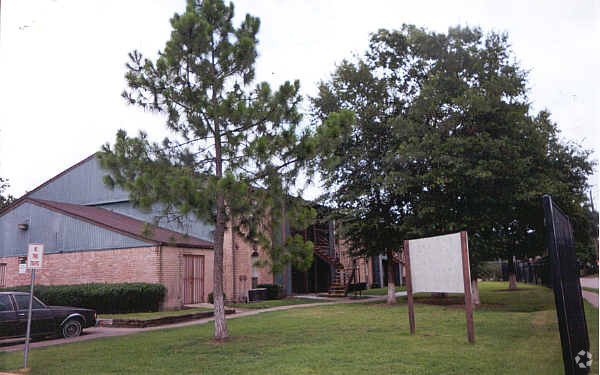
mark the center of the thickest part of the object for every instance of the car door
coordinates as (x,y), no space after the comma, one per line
(8,317)
(42,318)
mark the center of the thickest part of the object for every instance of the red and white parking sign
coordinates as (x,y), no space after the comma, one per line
(35,256)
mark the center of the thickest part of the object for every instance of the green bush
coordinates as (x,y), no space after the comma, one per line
(273,290)
(490,271)
(104,298)
(211,297)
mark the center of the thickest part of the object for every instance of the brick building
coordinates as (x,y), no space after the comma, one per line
(92,233)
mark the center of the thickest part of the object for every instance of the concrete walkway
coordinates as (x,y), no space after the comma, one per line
(590,282)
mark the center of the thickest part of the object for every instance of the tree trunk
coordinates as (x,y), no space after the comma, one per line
(391,297)
(475,293)
(219,303)
(512,275)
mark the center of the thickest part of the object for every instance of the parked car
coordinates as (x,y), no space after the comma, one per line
(45,320)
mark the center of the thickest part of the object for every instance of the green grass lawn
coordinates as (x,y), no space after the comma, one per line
(153,315)
(275,303)
(380,291)
(515,333)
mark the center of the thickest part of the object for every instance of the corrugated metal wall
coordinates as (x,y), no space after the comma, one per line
(81,185)
(57,232)
(84,185)
(191,226)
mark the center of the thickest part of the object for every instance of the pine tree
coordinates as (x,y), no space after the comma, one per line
(237,150)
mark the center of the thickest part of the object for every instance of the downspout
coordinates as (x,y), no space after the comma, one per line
(234,273)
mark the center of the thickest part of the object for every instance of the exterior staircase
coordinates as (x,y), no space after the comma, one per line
(338,285)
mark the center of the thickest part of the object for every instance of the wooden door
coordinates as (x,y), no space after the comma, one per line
(193,279)
(2,275)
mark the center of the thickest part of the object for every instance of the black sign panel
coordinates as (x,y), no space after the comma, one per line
(567,290)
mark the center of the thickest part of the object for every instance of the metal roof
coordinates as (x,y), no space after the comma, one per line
(120,223)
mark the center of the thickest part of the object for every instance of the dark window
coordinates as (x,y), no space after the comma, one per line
(22,301)
(5,304)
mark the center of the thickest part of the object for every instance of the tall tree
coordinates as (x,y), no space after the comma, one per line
(237,149)
(482,161)
(5,201)
(460,149)
(355,110)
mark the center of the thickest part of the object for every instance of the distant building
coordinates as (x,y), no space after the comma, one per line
(92,233)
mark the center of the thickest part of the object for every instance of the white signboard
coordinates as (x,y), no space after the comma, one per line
(436,264)
(35,256)
(22,268)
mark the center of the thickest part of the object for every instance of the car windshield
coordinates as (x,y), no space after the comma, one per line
(22,301)
(5,304)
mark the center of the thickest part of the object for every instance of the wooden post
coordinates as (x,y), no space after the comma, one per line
(467,279)
(411,305)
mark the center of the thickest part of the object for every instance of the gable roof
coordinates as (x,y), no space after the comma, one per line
(119,223)
(27,194)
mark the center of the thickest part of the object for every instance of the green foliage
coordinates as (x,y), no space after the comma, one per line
(116,298)
(5,201)
(237,148)
(440,139)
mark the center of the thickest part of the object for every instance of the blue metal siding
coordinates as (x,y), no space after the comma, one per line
(57,232)
(81,185)
(191,226)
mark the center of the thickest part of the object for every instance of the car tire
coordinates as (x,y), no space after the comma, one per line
(71,328)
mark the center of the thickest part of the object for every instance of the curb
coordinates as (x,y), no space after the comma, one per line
(155,322)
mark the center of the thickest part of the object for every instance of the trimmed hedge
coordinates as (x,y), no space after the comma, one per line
(118,298)
(273,290)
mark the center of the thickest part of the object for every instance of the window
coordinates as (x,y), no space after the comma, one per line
(22,301)
(2,275)
(5,304)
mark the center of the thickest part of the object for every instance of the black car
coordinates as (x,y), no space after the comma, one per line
(45,320)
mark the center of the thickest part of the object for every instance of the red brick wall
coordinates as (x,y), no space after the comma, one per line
(113,266)
(237,263)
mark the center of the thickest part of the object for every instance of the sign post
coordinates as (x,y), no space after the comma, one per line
(35,256)
(409,293)
(439,264)
(464,246)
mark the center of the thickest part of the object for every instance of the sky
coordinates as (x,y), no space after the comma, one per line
(62,63)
